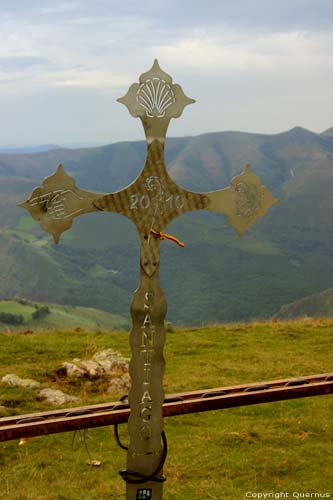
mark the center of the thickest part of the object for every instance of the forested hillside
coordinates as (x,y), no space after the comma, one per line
(217,276)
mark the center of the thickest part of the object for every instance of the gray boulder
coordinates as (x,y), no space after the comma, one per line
(15,381)
(57,397)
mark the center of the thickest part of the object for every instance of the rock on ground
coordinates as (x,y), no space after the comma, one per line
(91,368)
(16,381)
(106,362)
(73,370)
(119,384)
(111,361)
(57,397)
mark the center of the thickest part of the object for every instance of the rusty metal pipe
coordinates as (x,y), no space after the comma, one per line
(71,419)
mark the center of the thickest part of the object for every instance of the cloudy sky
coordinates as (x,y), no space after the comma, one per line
(252,65)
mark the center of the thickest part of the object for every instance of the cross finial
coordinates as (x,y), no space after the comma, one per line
(155,100)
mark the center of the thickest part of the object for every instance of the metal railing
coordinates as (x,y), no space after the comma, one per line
(83,417)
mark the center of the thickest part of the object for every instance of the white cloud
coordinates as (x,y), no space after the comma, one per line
(211,53)
(255,64)
(60,8)
(90,78)
(235,52)
(81,51)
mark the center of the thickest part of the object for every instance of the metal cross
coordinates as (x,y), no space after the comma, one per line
(152,201)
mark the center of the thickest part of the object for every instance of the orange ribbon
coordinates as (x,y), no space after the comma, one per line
(163,236)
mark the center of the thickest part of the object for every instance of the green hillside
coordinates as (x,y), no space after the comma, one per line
(275,447)
(21,314)
(314,306)
(217,276)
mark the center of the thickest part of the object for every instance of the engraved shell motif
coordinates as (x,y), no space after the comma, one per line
(155,96)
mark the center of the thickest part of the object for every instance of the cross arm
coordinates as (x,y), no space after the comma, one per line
(244,201)
(58,201)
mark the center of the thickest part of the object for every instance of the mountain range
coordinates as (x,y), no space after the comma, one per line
(318,305)
(217,276)
(27,149)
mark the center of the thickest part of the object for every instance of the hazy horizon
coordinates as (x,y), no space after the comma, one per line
(89,144)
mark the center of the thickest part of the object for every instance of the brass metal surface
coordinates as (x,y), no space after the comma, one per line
(151,202)
(155,100)
(243,202)
(57,202)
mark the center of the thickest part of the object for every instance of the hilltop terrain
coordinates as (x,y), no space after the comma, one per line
(24,315)
(217,276)
(315,306)
(282,446)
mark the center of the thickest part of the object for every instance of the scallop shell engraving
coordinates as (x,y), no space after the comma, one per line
(155,96)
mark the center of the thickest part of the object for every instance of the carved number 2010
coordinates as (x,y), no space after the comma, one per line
(137,201)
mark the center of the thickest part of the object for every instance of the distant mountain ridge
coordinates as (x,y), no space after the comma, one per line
(217,276)
(329,131)
(314,306)
(27,149)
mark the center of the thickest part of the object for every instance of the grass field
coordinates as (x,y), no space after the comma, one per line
(60,316)
(226,455)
